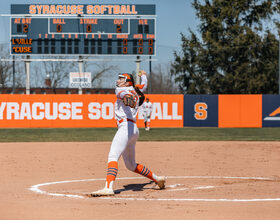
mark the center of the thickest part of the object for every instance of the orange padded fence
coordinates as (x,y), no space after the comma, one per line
(26,111)
(168,111)
(240,111)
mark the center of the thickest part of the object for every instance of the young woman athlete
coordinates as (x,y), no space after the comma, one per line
(129,98)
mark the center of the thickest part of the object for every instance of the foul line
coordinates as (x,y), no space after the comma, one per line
(36,189)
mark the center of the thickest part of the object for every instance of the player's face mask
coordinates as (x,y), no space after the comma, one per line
(121,81)
(124,80)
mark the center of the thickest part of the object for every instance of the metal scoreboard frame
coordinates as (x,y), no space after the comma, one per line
(83,30)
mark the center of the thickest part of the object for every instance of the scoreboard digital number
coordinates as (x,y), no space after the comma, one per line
(83,30)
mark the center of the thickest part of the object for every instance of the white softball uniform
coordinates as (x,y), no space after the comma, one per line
(147,109)
(125,139)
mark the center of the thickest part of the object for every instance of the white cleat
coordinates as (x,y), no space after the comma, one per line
(103,192)
(161,182)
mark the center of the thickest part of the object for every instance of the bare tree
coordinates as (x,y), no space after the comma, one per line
(20,75)
(38,75)
(5,66)
(100,72)
(57,72)
(161,80)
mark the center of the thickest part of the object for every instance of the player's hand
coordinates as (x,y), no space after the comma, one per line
(142,72)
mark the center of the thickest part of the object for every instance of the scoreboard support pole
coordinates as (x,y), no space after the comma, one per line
(138,61)
(150,75)
(14,79)
(27,67)
(81,70)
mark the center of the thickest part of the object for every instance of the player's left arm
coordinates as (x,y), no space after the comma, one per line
(120,92)
(128,98)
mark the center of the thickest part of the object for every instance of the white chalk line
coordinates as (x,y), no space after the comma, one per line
(36,189)
(192,188)
(175,185)
(181,189)
(185,188)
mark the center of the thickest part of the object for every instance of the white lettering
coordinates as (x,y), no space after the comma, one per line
(94,109)
(157,111)
(65,111)
(165,112)
(76,110)
(48,111)
(110,107)
(25,111)
(2,108)
(12,108)
(175,111)
(35,106)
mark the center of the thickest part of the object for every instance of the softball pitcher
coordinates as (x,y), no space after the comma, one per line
(129,98)
(147,109)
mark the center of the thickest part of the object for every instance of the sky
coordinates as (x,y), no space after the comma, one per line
(173,17)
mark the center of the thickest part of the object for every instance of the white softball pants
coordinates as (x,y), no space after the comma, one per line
(123,144)
(147,117)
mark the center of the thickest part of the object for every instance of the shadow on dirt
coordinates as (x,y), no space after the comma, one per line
(133,187)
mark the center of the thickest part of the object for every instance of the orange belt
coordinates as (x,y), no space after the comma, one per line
(127,119)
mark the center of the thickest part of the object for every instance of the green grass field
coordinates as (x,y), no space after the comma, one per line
(156,134)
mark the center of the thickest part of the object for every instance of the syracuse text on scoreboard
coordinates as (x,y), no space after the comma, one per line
(83,29)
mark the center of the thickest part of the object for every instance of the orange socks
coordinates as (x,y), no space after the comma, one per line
(140,169)
(112,172)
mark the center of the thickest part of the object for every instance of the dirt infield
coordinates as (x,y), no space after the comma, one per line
(206,180)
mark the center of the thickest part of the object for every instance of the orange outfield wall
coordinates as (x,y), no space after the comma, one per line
(240,111)
(168,111)
(54,111)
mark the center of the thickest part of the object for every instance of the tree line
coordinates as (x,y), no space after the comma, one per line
(235,50)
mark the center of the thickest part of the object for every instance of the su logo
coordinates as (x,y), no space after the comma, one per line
(200,109)
(276,112)
(274,116)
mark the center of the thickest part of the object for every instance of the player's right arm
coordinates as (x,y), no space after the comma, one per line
(144,81)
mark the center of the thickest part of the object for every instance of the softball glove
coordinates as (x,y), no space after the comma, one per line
(130,100)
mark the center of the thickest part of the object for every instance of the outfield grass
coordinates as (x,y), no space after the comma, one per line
(156,134)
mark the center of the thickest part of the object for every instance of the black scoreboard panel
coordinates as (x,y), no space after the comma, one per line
(88,25)
(82,35)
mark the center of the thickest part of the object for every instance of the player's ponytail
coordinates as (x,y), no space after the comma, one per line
(140,94)
(137,90)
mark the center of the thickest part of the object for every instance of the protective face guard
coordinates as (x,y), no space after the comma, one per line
(127,78)
(120,84)
(122,76)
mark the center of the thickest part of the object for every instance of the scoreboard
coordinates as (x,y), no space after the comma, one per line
(88,30)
